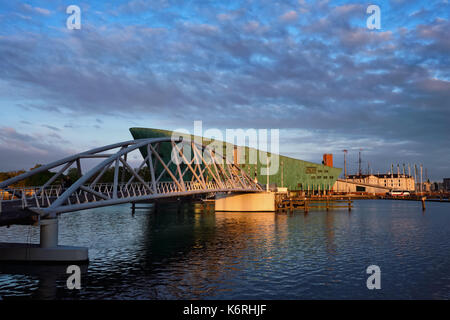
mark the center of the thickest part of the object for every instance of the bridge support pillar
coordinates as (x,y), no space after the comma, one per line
(47,251)
(49,233)
(246,202)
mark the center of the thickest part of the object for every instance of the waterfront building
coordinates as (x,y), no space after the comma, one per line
(446,184)
(426,186)
(437,186)
(390,181)
(294,174)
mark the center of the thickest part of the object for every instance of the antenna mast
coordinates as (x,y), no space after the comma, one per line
(360,172)
(345,163)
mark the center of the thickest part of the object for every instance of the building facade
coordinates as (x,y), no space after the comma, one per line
(350,186)
(391,181)
(446,184)
(294,174)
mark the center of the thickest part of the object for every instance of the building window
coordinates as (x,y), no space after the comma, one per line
(310,170)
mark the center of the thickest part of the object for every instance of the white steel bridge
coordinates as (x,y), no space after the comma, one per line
(202,172)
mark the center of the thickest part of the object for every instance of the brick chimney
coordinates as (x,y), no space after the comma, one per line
(328,159)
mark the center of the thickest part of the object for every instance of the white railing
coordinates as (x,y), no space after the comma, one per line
(39,197)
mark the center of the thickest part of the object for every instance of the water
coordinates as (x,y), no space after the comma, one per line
(192,255)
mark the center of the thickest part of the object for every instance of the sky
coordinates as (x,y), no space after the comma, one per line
(311,69)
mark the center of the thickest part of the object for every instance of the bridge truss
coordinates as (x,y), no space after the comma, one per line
(202,172)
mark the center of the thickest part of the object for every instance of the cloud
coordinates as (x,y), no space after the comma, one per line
(23,151)
(30,9)
(141,6)
(289,16)
(51,127)
(233,67)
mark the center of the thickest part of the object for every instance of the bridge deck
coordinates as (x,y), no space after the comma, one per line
(11,215)
(193,168)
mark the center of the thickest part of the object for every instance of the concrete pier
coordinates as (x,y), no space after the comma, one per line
(47,251)
(250,202)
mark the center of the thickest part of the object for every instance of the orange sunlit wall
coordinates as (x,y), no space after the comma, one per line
(328,159)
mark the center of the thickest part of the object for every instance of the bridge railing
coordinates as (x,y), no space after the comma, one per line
(208,172)
(39,197)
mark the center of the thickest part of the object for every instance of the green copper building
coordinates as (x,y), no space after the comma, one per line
(293,174)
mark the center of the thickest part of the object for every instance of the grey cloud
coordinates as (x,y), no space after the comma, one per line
(23,151)
(336,79)
(51,127)
(34,10)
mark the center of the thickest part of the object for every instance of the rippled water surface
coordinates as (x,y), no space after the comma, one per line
(188,254)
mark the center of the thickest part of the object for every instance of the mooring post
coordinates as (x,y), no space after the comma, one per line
(133,208)
(423,203)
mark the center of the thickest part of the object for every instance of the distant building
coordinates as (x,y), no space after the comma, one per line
(437,186)
(386,180)
(426,186)
(446,184)
(350,186)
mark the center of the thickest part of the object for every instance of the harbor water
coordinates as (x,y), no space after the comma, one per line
(186,253)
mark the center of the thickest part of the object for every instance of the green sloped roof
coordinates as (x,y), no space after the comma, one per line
(296,172)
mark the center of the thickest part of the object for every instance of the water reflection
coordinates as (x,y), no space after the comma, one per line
(176,253)
(45,279)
